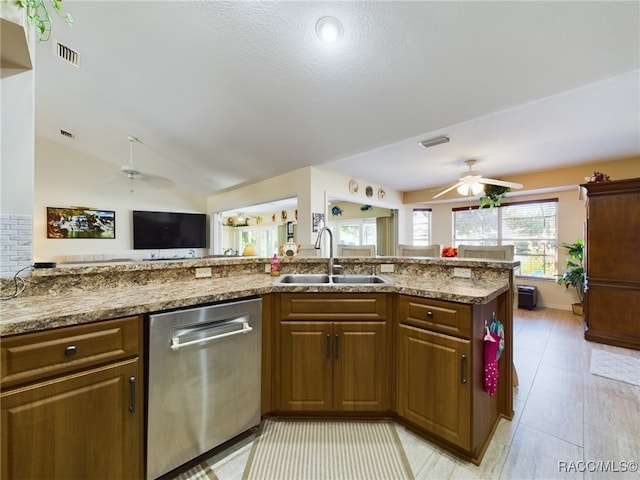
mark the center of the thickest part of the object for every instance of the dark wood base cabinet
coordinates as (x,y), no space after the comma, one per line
(72,403)
(440,373)
(417,360)
(612,298)
(333,353)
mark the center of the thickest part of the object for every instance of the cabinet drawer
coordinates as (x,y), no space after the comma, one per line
(35,356)
(333,306)
(437,315)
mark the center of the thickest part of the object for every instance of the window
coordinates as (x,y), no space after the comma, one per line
(357,231)
(422,226)
(531,227)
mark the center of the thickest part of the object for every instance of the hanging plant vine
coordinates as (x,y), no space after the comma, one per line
(493,195)
(38,15)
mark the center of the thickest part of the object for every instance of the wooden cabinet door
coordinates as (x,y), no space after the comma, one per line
(434,383)
(360,368)
(305,366)
(79,426)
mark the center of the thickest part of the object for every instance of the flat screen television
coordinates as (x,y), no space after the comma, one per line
(162,230)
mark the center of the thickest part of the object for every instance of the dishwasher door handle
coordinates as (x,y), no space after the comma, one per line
(176,345)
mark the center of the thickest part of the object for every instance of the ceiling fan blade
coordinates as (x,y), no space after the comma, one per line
(501,183)
(448,189)
(157,181)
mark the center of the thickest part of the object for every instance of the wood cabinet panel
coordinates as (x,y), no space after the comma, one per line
(434,386)
(75,427)
(337,362)
(440,316)
(37,355)
(333,306)
(306,366)
(77,416)
(612,313)
(361,367)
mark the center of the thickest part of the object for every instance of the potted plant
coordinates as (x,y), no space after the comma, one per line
(574,275)
(493,195)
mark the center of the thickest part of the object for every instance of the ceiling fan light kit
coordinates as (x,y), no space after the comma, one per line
(473,183)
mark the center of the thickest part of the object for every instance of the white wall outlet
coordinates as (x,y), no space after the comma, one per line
(203,272)
(386,268)
(461,272)
(267,268)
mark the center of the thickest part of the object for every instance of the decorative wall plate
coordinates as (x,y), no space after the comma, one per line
(381,194)
(353,186)
(368,191)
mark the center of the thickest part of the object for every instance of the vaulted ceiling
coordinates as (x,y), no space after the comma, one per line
(223,94)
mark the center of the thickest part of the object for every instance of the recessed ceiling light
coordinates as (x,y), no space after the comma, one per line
(329,29)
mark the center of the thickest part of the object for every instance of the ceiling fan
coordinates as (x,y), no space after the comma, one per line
(132,173)
(473,182)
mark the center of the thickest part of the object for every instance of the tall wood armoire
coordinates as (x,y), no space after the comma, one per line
(612,253)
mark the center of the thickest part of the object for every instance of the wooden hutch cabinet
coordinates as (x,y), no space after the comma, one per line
(612,242)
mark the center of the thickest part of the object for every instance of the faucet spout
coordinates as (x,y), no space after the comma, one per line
(317,245)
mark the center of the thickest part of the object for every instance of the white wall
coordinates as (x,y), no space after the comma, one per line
(16,166)
(312,186)
(65,177)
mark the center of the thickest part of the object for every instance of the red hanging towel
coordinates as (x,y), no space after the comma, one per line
(491,374)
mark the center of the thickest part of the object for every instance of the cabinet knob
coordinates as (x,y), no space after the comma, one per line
(70,350)
(429,314)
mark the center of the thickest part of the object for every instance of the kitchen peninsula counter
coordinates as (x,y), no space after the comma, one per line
(76,294)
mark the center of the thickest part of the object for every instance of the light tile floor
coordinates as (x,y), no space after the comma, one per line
(566,420)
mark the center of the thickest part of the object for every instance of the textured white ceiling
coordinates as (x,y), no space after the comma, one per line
(226,93)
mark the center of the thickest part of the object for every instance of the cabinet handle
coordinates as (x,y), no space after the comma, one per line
(70,350)
(463,361)
(429,314)
(328,345)
(337,346)
(132,397)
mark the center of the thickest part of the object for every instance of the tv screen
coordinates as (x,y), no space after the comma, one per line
(161,230)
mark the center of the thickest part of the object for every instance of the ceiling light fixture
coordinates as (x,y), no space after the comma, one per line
(329,29)
(470,188)
(432,142)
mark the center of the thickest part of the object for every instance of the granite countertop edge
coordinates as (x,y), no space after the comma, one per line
(44,312)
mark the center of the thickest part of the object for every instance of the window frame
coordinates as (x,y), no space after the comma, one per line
(549,254)
(428,229)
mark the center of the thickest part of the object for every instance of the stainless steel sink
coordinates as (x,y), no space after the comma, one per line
(358,279)
(304,278)
(323,279)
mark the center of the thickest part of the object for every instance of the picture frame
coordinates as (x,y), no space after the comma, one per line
(81,222)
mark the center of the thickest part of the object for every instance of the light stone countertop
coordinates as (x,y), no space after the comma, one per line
(40,312)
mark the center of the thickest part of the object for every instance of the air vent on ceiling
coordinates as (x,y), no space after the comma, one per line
(64,133)
(67,54)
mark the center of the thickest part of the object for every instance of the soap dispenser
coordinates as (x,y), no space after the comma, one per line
(275,265)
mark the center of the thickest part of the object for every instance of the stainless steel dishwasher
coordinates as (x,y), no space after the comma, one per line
(204,373)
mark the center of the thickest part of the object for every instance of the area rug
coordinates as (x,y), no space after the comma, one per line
(200,472)
(290,449)
(618,367)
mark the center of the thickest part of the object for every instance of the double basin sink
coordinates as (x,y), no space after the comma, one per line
(325,279)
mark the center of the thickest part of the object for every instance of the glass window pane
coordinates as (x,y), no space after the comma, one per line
(531,227)
(422,227)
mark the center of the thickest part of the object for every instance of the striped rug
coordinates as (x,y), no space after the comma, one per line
(199,472)
(292,449)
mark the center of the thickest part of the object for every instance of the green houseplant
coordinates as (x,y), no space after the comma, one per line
(574,275)
(493,195)
(38,15)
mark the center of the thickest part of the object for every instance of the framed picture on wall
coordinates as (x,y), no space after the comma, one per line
(318,221)
(80,222)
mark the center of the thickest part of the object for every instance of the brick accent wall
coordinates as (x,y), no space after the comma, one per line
(16,243)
